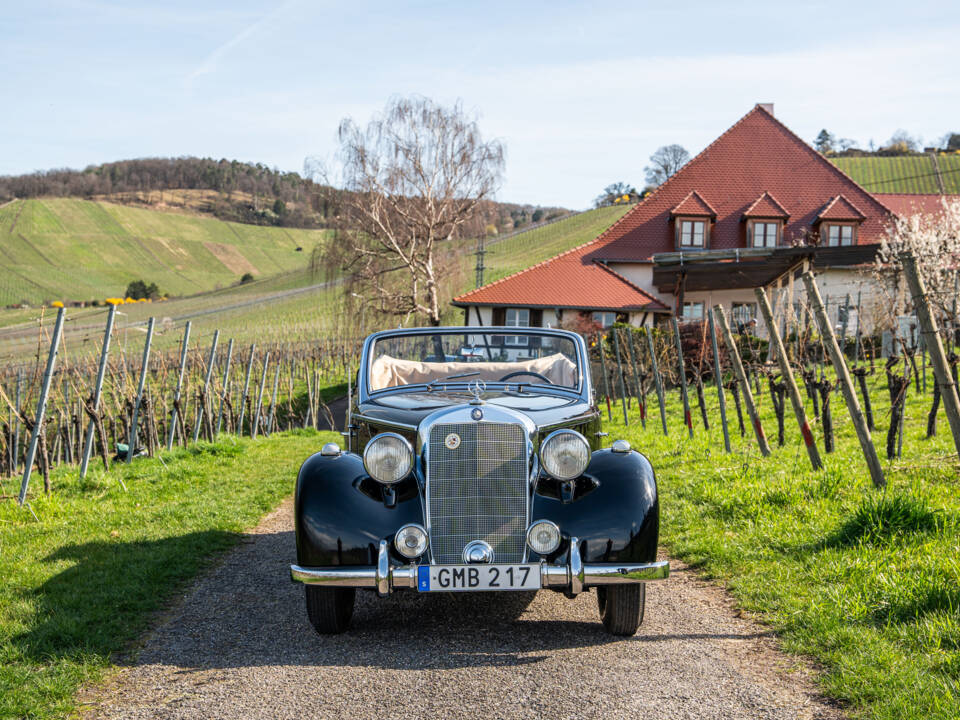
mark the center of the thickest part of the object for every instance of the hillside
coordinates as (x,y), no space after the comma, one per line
(903,174)
(77,250)
(292,306)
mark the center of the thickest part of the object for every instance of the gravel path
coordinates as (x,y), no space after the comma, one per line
(239,646)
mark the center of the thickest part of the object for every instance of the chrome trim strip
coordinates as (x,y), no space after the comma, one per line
(383,570)
(551,576)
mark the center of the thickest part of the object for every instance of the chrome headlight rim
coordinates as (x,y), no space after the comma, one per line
(545,446)
(556,532)
(406,551)
(406,446)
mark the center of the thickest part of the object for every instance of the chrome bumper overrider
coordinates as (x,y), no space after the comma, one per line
(572,577)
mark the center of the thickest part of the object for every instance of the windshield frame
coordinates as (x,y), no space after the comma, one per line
(582,390)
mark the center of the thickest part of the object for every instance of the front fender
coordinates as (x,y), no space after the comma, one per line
(341,513)
(614,511)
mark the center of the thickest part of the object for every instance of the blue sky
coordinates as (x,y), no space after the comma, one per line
(581,93)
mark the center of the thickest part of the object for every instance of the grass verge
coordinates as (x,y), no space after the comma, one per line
(82,583)
(866,581)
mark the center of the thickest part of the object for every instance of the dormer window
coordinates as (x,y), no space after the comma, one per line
(838,234)
(693,233)
(763,233)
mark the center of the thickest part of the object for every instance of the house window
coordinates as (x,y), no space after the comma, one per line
(517,317)
(692,311)
(764,234)
(605,319)
(838,235)
(693,233)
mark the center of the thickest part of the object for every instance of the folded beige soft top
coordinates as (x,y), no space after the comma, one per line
(389,371)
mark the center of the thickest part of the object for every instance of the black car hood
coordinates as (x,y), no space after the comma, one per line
(411,408)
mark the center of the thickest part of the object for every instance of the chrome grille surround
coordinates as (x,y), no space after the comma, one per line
(480,489)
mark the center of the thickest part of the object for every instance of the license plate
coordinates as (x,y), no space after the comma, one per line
(458,578)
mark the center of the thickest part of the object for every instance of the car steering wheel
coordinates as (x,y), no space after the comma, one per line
(525,372)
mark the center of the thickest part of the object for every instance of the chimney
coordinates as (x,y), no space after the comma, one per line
(767,106)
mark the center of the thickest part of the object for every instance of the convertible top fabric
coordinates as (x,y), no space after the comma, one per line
(389,371)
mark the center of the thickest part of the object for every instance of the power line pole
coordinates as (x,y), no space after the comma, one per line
(480,252)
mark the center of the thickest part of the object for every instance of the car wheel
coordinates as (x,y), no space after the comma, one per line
(329,609)
(621,607)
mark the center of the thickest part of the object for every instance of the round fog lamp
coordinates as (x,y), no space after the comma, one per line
(543,537)
(565,454)
(388,458)
(411,541)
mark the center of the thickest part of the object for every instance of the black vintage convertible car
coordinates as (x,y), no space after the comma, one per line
(475,462)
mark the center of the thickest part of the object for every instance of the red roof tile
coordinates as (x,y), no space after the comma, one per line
(695,205)
(839,208)
(766,206)
(905,205)
(570,280)
(757,155)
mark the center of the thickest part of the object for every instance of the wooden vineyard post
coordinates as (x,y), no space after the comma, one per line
(263,381)
(687,419)
(846,382)
(637,381)
(742,378)
(246,389)
(273,401)
(623,390)
(37,430)
(603,372)
(139,398)
(16,424)
(225,385)
(777,344)
(718,378)
(176,394)
(656,379)
(931,337)
(97,391)
(206,386)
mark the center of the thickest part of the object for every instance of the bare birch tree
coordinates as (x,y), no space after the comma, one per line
(414,177)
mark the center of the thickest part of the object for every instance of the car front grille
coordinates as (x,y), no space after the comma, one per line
(477,490)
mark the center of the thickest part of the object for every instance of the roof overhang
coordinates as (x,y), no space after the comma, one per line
(748,267)
(590,308)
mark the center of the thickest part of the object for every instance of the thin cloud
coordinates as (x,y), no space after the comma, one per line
(212,61)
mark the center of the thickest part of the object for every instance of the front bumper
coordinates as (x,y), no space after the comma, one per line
(572,577)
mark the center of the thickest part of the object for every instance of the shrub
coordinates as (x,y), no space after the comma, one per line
(140,290)
(248,277)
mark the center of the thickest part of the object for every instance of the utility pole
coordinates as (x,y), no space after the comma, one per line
(480,252)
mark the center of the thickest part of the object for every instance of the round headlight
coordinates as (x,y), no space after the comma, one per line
(564,454)
(411,541)
(543,537)
(388,458)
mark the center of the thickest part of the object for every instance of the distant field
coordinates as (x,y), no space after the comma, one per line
(289,306)
(68,249)
(529,248)
(908,174)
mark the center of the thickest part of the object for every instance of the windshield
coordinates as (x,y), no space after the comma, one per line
(436,357)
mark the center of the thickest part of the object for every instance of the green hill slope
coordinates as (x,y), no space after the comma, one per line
(905,174)
(68,249)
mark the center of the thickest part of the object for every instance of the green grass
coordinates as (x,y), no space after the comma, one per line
(865,581)
(529,248)
(45,241)
(83,582)
(906,174)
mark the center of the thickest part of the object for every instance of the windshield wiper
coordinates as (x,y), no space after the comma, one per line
(451,377)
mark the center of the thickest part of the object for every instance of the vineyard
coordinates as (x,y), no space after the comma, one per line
(904,174)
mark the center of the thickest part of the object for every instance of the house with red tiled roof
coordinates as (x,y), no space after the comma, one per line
(752,209)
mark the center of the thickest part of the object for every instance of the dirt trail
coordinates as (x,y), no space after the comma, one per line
(239,646)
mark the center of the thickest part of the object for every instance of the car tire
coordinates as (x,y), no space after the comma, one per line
(329,609)
(621,607)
